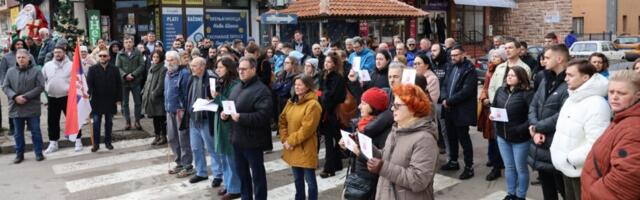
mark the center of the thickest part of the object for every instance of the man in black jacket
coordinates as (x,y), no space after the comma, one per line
(250,132)
(458,97)
(105,90)
(543,115)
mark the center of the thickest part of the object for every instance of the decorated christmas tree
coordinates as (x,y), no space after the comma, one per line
(67,24)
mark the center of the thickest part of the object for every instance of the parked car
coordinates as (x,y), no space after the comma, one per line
(535,50)
(482,65)
(583,49)
(630,45)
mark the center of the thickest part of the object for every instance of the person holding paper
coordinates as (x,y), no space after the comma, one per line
(367,57)
(228,78)
(153,97)
(408,161)
(333,93)
(379,76)
(298,125)
(513,136)
(250,129)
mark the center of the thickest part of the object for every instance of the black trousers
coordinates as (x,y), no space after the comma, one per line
(459,134)
(494,154)
(552,184)
(55,108)
(330,129)
(160,125)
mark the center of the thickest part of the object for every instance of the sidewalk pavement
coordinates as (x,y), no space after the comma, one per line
(7,143)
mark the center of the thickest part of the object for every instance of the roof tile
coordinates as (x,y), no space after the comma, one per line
(307,9)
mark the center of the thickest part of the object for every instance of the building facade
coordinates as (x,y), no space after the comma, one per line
(590,16)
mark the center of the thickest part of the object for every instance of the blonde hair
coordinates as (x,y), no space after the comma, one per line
(628,76)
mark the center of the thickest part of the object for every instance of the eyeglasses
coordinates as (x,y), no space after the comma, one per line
(397,106)
(102,56)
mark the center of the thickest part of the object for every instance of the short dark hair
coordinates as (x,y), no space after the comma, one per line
(551,35)
(458,47)
(252,61)
(59,47)
(359,40)
(252,48)
(605,60)
(522,76)
(523,44)
(287,45)
(127,37)
(512,40)
(583,66)
(560,48)
(336,44)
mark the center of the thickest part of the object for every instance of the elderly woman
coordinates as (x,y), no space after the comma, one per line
(153,97)
(612,168)
(407,164)
(86,60)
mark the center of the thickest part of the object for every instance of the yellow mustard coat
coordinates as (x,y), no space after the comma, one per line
(298,124)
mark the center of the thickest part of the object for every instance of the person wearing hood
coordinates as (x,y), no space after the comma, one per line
(114,48)
(578,128)
(367,57)
(23,86)
(612,167)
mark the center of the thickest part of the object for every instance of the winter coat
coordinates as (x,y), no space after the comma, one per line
(439,66)
(367,59)
(582,119)
(8,61)
(298,124)
(222,131)
(333,92)
(516,103)
(28,82)
(254,104)
(485,125)
(379,79)
(134,65)
(433,85)
(176,88)
(47,47)
(105,88)
(461,101)
(153,92)
(543,114)
(409,162)
(612,168)
(499,75)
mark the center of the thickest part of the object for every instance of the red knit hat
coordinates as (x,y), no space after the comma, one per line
(377,98)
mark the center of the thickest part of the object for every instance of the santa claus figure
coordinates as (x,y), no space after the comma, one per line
(29,21)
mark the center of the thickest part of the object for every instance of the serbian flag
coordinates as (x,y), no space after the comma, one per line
(78,106)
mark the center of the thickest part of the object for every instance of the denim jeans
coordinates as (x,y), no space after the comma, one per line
(137,102)
(200,137)
(33,123)
(300,175)
(253,177)
(230,175)
(108,125)
(514,156)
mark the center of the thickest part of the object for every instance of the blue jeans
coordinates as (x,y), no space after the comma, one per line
(33,123)
(137,102)
(299,176)
(108,125)
(514,156)
(231,179)
(200,138)
(250,167)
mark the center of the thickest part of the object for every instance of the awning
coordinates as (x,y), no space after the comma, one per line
(489,3)
(375,9)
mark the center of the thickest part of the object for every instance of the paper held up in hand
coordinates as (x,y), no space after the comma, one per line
(499,114)
(204,105)
(348,142)
(364,75)
(212,84)
(355,63)
(365,145)
(229,107)
(408,76)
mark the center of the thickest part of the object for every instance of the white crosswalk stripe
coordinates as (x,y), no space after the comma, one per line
(70,152)
(497,195)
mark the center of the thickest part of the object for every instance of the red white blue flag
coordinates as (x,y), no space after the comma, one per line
(78,106)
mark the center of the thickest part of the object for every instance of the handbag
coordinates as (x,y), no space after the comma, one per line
(347,110)
(357,187)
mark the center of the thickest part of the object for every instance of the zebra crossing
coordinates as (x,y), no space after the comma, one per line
(134,163)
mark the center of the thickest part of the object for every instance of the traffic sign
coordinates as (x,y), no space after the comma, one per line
(279,19)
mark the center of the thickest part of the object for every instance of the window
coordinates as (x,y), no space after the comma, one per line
(577,47)
(605,47)
(591,47)
(578,25)
(624,23)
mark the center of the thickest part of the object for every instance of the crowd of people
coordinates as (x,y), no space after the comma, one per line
(309,93)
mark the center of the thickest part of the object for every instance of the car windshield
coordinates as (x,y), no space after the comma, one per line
(628,40)
(585,47)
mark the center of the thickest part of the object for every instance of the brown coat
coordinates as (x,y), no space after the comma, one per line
(617,154)
(411,165)
(298,124)
(484,123)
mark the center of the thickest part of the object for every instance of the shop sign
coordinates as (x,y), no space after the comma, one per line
(194,2)
(172,24)
(226,25)
(172,2)
(437,5)
(195,25)
(94,26)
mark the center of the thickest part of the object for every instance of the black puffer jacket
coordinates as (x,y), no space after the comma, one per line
(254,104)
(516,103)
(543,115)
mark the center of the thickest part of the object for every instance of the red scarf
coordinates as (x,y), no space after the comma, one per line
(363,122)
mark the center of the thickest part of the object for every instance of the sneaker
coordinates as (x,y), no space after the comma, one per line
(466,174)
(53,147)
(39,157)
(175,169)
(494,174)
(78,145)
(185,173)
(216,182)
(196,179)
(450,166)
(18,159)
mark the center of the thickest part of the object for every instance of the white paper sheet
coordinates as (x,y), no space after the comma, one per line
(348,142)
(408,76)
(355,63)
(365,145)
(212,84)
(499,114)
(229,107)
(364,75)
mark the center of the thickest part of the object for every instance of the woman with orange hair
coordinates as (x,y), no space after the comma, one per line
(407,163)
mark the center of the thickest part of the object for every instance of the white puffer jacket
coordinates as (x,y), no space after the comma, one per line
(583,118)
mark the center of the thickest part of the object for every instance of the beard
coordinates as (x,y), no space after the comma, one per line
(171,67)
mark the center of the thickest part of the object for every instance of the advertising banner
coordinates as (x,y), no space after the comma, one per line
(195,25)
(226,25)
(172,24)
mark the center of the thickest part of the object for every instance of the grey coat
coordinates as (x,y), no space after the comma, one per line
(8,61)
(153,92)
(28,82)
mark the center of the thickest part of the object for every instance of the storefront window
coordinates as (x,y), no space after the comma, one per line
(470,23)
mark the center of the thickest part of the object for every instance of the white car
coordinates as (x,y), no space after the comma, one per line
(584,49)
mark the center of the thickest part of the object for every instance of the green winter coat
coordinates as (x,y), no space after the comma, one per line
(153,92)
(222,133)
(133,64)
